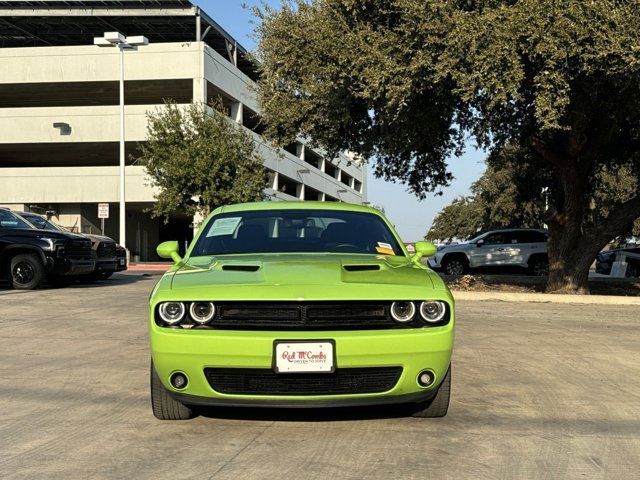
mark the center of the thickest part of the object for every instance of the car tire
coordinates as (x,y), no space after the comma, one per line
(455,266)
(164,406)
(439,405)
(539,267)
(26,271)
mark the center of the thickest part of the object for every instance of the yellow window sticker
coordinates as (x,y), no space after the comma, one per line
(385,248)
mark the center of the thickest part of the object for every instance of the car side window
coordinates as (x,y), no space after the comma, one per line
(7,220)
(495,239)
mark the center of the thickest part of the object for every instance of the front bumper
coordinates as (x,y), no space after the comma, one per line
(71,266)
(106,264)
(191,351)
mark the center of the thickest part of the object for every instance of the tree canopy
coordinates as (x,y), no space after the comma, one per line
(407,83)
(198,160)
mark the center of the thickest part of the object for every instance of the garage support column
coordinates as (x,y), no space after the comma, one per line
(237,112)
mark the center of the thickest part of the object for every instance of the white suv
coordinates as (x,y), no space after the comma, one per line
(497,249)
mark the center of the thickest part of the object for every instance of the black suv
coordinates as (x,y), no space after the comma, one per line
(29,255)
(105,248)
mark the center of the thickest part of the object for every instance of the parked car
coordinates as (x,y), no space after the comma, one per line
(121,257)
(605,259)
(28,255)
(299,304)
(522,248)
(104,247)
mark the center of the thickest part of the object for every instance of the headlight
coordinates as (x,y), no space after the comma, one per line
(433,312)
(403,311)
(53,243)
(171,312)
(202,312)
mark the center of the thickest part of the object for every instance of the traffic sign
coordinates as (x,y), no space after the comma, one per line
(103,210)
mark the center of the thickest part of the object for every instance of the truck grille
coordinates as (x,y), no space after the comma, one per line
(258,381)
(78,248)
(106,249)
(304,316)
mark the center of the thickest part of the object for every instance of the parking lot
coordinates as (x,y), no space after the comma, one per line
(539,391)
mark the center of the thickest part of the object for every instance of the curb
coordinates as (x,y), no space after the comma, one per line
(545,298)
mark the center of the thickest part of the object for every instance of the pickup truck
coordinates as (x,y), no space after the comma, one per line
(29,256)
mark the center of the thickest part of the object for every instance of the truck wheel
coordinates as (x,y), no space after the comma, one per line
(455,266)
(163,405)
(438,405)
(26,271)
(539,267)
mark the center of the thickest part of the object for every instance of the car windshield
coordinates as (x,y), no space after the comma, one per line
(296,231)
(42,223)
(9,220)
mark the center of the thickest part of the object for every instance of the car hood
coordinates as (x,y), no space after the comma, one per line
(300,277)
(40,233)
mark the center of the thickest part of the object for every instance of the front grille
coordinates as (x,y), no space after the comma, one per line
(305,316)
(106,249)
(258,381)
(78,248)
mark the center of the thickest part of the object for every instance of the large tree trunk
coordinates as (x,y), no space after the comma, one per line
(572,248)
(568,256)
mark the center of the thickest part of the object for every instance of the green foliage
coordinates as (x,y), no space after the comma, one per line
(461,219)
(199,160)
(508,194)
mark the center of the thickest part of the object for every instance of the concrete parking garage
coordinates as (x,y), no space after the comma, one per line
(539,391)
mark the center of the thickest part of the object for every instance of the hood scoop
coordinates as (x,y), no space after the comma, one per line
(240,268)
(361,268)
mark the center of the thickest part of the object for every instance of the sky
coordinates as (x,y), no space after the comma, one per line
(410,216)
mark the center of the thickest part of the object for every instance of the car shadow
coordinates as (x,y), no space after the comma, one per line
(117,279)
(332,414)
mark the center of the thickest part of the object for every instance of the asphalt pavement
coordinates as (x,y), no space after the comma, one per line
(540,390)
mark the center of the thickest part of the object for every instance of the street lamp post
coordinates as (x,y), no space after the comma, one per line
(116,39)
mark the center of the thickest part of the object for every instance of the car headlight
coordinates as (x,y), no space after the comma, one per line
(403,311)
(52,243)
(172,312)
(433,311)
(202,312)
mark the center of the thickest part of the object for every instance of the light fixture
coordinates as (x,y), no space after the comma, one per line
(65,128)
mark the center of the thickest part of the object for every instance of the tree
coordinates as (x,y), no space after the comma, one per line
(407,82)
(508,194)
(461,219)
(199,160)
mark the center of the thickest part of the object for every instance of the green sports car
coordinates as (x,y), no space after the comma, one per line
(299,304)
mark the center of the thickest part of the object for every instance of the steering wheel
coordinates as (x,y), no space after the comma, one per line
(346,245)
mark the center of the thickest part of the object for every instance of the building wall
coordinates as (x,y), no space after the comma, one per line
(74,183)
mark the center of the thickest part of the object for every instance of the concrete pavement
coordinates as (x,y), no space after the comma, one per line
(545,391)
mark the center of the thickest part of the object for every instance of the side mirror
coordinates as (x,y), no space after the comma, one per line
(424,249)
(480,242)
(169,250)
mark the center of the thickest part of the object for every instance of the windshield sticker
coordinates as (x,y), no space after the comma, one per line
(385,248)
(224,226)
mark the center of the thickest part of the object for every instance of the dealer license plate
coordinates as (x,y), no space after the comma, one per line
(300,357)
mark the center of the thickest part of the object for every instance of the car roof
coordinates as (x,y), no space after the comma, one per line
(297,205)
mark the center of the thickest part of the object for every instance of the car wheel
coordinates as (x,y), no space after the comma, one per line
(26,271)
(455,266)
(438,405)
(539,267)
(163,405)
